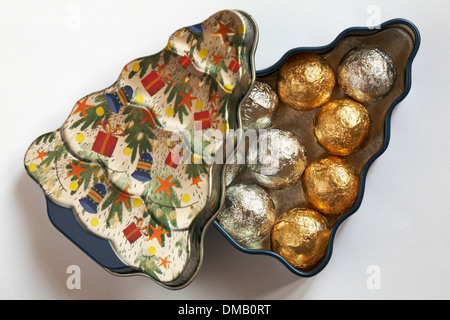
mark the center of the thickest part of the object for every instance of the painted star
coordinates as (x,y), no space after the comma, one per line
(164,262)
(195,181)
(82,106)
(216,59)
(223,31)
(149,116)
(165,185)
(157,233)
(41,155)
(213,98)
(187,98)
(76,170)
(124,196)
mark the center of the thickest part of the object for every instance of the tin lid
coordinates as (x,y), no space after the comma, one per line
(124,177)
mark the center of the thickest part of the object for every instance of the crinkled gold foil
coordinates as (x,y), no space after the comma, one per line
(248,214)
(259,108)
(305,81)
(331,185)
(342,127)
(301,237)
(284,162)
(366,73)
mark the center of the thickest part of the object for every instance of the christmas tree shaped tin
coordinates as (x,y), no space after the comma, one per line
(125,176)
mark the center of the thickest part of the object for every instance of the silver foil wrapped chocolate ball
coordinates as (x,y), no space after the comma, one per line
(249,213)
(259,108)
(232,171)
(366,73)
(278,159)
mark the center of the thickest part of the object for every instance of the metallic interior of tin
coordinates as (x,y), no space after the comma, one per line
(398,40)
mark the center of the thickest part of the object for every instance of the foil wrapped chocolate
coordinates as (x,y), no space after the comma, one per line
(305,81)
(259,108)
(278,159)
(366,73)
(248,214)
(331,185)
(232,172)
(301,237)
(342,127)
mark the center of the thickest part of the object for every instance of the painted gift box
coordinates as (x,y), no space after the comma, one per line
(202,120)
(185,60)
(173,158)
(134,231)
(234,65)
(156,80)
(106,140)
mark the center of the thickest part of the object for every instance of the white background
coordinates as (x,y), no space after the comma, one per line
(54,52)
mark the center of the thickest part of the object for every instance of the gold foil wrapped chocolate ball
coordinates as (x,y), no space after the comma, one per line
(278,159)
(259,108)
(305,81)
(366,73)
(342,127)
(248,214)
(301,237)
(331,185)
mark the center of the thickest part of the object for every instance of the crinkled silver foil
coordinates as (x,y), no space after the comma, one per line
(259,108)
(366,73)
(232,171)
(277,160)
(249,213)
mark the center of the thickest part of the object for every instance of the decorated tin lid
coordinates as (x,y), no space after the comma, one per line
(122,176)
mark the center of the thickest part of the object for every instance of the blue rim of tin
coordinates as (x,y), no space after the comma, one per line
(366,167)
(96,248)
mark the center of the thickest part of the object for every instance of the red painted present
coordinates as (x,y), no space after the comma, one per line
(106,140)
(185,61)
(234,65)
(174,157)
(202,120)
(135,230)
(156,80)
(132,232)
